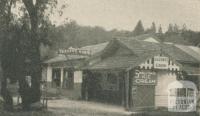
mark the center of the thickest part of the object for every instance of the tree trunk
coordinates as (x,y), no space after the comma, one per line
(34,50)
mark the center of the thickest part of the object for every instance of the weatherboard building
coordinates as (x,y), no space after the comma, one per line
(133,72)
(136,73)
(63,71)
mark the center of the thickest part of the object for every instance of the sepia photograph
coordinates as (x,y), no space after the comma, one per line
(99,57)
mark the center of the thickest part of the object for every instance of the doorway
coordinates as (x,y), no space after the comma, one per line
(144,97)
(56,77)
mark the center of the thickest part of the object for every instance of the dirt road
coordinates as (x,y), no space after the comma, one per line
(66,107)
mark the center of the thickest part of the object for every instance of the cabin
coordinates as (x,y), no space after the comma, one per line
(136,74)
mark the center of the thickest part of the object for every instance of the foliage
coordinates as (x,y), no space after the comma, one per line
(139,29)
(21,40)
(72,34)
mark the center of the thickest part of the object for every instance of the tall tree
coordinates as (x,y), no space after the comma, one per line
(160,30)
(5,29)
(160,34)
(176,28)
(184,28)
(170,28)
(139,29)
(153,27)
(20,55)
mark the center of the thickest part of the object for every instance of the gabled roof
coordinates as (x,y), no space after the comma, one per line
(92,48)
(176,39)
(142,51)
(191,50)
(117,62)
(95,48)
(140,47)
(148,48)
(148,38)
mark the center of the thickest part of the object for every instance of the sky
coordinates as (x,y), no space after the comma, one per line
(124,14)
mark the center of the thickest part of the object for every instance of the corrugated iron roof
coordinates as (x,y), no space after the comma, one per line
(141,47)
(117,62)
(142,50)
(191,50)
(95,48)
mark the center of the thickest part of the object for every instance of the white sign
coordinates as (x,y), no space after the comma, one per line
(74,51)
(161,62)
(144,78)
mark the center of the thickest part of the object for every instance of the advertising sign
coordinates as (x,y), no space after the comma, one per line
(144,78)
(74,51)
(161,62)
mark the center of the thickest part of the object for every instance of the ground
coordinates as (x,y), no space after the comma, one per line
(66,107)
(67,103)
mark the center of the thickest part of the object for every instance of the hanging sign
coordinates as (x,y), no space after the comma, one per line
(161,62)
(144,78)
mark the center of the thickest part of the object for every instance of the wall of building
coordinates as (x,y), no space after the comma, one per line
(64,74)
(164,78)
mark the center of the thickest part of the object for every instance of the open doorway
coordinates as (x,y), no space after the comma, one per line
(56,77)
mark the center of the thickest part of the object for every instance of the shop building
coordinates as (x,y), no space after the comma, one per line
(63,70)
(136,74)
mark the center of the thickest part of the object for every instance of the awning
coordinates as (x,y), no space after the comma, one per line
(192,70)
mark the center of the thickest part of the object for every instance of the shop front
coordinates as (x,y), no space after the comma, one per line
(104,86)
(143,89)
(137,76)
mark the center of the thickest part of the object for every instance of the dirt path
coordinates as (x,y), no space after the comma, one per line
(66,107)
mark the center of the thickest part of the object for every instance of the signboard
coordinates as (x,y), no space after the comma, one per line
(74,51)
(144,78)
(161,62)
